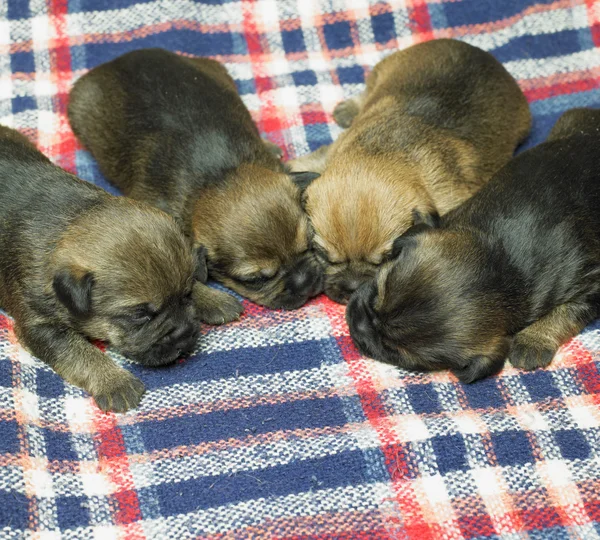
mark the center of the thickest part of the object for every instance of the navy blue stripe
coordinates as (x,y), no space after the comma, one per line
(236,363)
(239,423)
(187,41)
(334,471)
(540,46)
(477,11)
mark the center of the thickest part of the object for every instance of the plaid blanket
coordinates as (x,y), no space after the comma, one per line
(277,427)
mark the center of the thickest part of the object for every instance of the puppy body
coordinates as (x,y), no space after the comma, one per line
(513,272)
(77,263)
(435,122)
(173,131)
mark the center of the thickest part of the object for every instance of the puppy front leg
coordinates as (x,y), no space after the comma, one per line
(314,162)
(216,307)
(346,111)
(536,345)
(80,363)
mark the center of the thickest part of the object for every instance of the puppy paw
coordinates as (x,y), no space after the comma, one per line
(120,394)
(217,307)
(274,149)
(345,112)
(529,352)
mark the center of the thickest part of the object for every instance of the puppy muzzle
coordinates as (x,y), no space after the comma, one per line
(340,287)
(362,322)
(178,341)
(303,281)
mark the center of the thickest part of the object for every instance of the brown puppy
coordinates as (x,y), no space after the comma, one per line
(512,273)
(173,131)
(77,263)
(435,122)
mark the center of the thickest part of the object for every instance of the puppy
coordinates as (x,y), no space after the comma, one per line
(172,131)
(77,263)
(435,122)
(513,272)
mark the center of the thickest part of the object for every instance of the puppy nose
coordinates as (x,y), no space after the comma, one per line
(362,317)
(179,333)
(303,282)
(349,286)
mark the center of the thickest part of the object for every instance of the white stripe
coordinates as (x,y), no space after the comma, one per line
(234,516)
(229,338)
(151,13)
(535,24)
(250,458)
(545,67)
(280,383)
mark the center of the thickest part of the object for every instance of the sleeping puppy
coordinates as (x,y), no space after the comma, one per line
(435,122)
(77,264)
(172,131)
(512,273)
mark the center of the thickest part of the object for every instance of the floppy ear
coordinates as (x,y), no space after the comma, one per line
(303,179)
(74,292)
(477,368)
(201,273)
(422,221)
(430,219)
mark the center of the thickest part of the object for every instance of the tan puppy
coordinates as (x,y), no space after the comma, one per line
(77,263)
(435,122)
(173,131)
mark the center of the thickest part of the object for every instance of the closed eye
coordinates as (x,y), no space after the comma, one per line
(140,315)
(322,254)
(254,281)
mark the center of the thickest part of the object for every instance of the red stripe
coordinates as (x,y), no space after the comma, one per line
(268,118)
(419,20)
(591,6)
(396,459)
(545,92)
(589,376)
(60,66)
(114,461)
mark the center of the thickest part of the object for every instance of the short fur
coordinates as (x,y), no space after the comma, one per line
(513,272)
(435,122)
(172,131)
(77,263)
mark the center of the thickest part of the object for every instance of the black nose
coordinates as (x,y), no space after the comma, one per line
(179,332)
(304,282)
(361,317)
(347,287)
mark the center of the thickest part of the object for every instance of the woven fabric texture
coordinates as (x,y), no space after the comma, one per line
(277,427)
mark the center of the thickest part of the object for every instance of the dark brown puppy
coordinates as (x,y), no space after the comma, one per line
(513,272)
(77,263)
(435,122)
(173,131)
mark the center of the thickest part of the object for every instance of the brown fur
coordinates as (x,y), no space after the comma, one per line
(434,123)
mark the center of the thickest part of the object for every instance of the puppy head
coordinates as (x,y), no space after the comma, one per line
(580,121)
(437,306)
(258,237)
(357,213)
(124,273)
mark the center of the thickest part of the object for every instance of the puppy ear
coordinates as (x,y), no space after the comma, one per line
(74,292)
(303,179)
(201,273)
(430,219)
(478,367)
(422,221)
